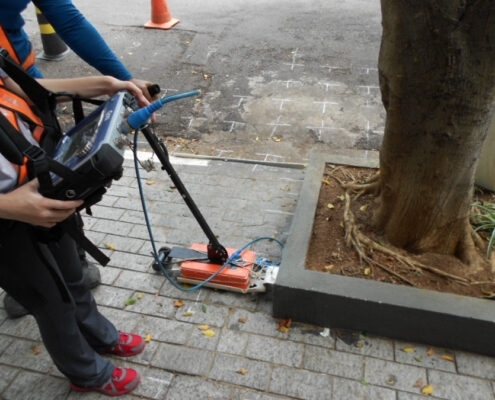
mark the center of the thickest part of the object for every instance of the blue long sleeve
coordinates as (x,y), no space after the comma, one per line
(78,32)
(75,30)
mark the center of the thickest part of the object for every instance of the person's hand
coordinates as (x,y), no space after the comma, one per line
(117,85)
(26,204)
(143,86)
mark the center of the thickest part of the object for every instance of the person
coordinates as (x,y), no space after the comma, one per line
(43,272)
(76,31)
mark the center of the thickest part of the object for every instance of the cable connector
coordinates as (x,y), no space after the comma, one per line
(138,118)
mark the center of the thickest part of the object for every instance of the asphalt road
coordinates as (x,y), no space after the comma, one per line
(277,78)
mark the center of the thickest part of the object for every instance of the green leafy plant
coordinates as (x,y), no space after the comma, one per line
(483,219)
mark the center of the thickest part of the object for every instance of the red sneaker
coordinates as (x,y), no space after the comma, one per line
(128,345)
(122,381)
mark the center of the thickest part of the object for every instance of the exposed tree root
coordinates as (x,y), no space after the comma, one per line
(371,186)
(478,240)
(365,247)
(469,248)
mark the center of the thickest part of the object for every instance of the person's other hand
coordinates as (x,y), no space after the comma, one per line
(26,204)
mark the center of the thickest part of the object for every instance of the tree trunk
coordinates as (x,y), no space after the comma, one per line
(437,77)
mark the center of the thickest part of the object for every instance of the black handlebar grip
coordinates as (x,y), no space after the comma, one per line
(154,89)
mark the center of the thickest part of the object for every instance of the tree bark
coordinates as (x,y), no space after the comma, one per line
(437,78)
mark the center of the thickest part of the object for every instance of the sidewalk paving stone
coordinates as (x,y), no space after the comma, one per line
(301,384)
(286,88)
(248,357)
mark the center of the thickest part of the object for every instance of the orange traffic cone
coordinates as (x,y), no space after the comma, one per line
(161,18)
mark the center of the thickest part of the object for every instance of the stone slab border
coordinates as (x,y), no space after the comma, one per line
(394,311)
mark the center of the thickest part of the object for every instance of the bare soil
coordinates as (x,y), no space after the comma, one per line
(329,253)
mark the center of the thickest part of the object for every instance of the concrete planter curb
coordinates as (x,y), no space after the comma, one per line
(401,312)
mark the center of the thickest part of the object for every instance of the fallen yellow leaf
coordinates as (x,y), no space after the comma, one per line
(110,246)
(150,182)
(330,205)
(326,181)
(391,380)
(147,339)
(36,350)
(430,352)
(447,357)
(363,208)
(328,268)
(187,314)
(284,325)
(204,327)
(140,296)
(408,349)
(242,371)
(178,303)
(243,320)
(428,389)
(367,271)
(288,322)
(209,333)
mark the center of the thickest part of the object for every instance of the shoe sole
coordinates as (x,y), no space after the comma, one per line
(86,390)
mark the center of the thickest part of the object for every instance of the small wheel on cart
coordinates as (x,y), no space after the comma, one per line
(162,257)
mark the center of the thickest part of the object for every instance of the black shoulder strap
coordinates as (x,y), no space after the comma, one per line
(77,234)
(17,146)
(44,100)
(9,146)
(77,107)
(14,146)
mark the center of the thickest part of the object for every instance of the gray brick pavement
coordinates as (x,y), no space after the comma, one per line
(240,201)
(247,358)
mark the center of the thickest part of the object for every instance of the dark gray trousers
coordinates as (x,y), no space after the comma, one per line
(45,276)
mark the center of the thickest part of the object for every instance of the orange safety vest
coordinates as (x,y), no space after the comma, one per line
(7,45)
(13,106)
